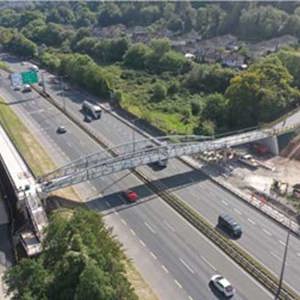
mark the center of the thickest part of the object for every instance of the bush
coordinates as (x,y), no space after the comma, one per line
(159,92)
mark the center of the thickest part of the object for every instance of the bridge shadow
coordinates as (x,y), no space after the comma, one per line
(54,202)
(117,201)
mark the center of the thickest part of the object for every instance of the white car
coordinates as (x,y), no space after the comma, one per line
(223,285)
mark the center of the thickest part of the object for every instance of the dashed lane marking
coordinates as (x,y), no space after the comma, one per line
(169,226)
(224,202)
(107,204)
(208,263)
(251,221)
(132,232)
(165,269)
(149,227)
(123,221)
(275,255)
(282,243)
(237,211)
(267,232)
(178,284)
(186,265)
(191,298)
(142,243)
(153,255)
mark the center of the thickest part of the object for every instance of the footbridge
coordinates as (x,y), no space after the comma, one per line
(146,151)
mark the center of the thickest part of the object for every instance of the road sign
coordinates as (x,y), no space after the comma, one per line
(29,77)
(16,79)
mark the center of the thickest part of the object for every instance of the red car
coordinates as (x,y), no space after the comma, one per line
(130,196)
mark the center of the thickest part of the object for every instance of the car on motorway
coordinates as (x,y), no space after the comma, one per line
(130,196)
(227,223)
(61,129)
(26,88)
(34,68)
(222,285)
(17,87)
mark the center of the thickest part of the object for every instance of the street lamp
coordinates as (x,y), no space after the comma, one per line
(283,261)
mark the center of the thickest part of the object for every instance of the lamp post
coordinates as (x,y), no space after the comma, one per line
(283,261)
(133,134)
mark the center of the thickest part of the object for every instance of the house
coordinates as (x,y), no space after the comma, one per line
(233,60)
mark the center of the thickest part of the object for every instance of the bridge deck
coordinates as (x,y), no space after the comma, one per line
(25,189)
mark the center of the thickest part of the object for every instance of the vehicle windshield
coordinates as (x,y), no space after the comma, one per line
(229,288)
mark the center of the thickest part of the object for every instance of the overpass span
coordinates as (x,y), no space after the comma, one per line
(143,152)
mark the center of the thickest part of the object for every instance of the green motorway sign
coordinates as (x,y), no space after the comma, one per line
(29,77)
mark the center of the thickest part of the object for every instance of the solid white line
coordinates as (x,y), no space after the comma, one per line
(153,255)
(251,221)
(186,265)
(169,226)
(208,263)
(224,202)
(132,232)
(149,227)
(178,283)
(142,243)
(237,211)
(165,269)
(267,232)
(107,204)
(282,243)
(123,221)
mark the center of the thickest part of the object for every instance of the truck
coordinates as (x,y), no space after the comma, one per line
(91,109)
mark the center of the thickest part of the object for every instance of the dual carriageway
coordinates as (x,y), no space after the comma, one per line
(158,239)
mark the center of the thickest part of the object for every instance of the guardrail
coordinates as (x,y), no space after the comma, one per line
(237,254)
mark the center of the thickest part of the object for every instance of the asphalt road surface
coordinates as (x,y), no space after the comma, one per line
(185,260)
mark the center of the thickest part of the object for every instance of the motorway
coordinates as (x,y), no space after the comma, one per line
(183,259)
(262,237)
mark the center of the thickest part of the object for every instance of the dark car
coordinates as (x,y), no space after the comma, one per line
(61,129)
(228,224)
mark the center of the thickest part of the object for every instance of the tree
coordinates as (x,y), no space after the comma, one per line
(74,264)
(205,127)
(159,92)
(260,94)
(136,55)
(216,109)
(22,46)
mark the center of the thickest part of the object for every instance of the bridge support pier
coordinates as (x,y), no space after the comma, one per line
(272,143)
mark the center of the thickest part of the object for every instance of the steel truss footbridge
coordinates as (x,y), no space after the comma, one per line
(143,152)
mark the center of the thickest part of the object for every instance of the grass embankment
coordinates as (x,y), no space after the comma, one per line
(40,163)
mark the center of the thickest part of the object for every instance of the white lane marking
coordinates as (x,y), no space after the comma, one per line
(169,226)
(251,221)
(298,254)
(107,204)
(275,255)
(142,243)
(132,232)
(153,255)
(165,269)
(149,227)
(177,283)
(208,263)
(282,243)
(191,298)
(224,202)
(237,211)
(267,232)
(123,221)
(186,265)
(116,213)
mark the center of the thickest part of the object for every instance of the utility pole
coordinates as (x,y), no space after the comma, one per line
(62,93)
(43,82)
(283,261)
